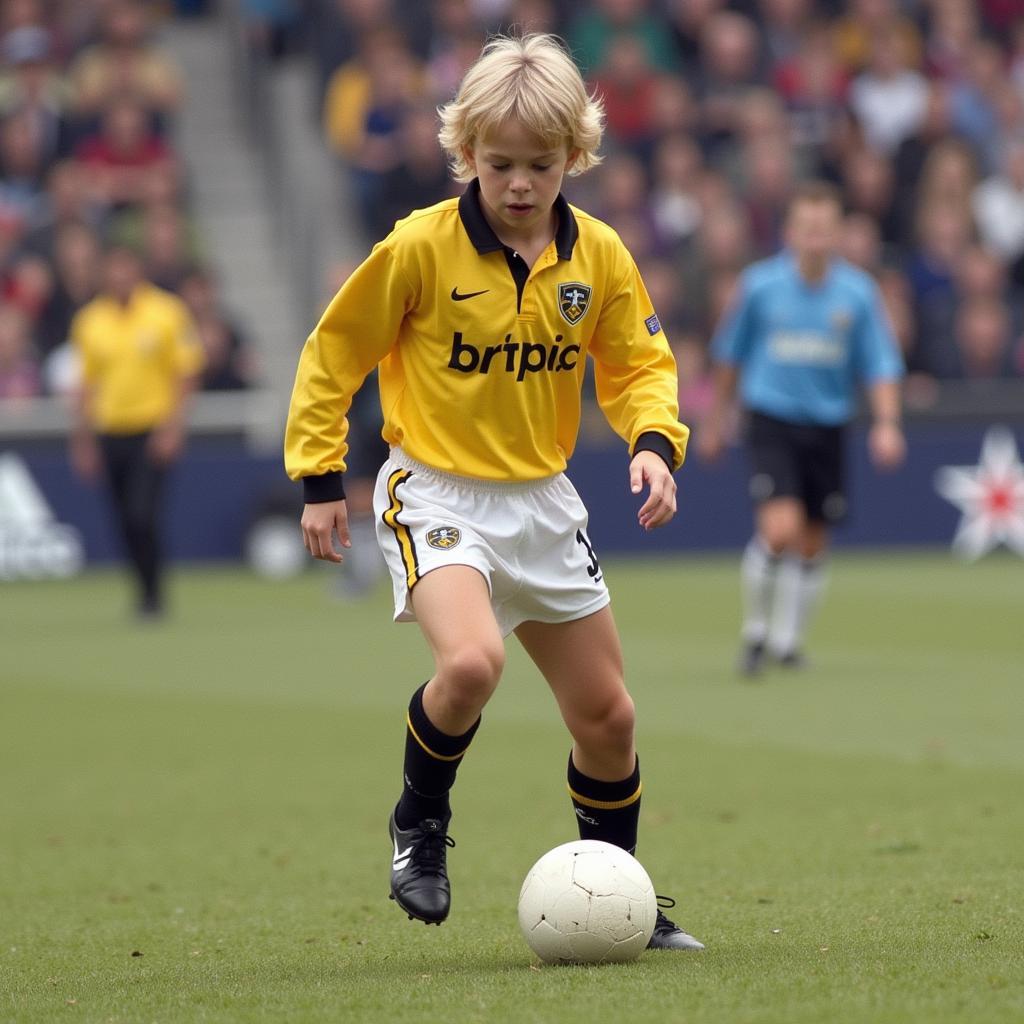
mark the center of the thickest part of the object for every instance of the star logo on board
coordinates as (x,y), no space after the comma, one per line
(990,496)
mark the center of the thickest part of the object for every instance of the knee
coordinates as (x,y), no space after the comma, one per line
(780,537)
(470,675)
(611,726)
(813,543)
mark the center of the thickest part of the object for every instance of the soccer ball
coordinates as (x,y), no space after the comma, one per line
(587,902)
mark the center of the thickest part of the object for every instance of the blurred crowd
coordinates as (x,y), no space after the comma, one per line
(88,104)
(715,110)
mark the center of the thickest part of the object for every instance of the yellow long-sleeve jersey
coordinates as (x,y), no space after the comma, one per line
(481,357)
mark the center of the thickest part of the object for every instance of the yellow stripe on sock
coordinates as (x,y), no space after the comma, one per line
(605,805)
(432,753)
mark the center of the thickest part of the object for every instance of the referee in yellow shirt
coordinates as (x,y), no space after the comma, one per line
(140,357)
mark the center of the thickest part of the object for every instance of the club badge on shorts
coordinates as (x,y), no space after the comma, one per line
(444,537)
(573,300)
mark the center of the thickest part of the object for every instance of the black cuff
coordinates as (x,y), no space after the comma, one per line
(652,441)
(318,489)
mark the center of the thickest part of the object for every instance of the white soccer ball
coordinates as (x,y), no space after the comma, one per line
(587,902)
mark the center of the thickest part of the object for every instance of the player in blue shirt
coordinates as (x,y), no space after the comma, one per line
(804,330)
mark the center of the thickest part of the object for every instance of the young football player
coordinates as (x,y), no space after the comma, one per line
(481,312)
(805,329)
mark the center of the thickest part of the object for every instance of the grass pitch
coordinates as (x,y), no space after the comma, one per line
(192,816)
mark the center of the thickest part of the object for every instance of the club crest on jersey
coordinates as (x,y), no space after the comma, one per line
(444,537)
(573,300)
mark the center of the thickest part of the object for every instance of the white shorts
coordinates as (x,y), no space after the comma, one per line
(528,540)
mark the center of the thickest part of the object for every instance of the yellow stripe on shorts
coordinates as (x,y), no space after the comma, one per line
(400,530)
(606,805)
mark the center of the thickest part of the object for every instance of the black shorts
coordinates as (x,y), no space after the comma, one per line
(796,460)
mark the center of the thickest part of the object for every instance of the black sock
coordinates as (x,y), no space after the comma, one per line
(431,760)
(609,811)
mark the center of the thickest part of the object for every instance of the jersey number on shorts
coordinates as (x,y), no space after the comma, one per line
(594,569)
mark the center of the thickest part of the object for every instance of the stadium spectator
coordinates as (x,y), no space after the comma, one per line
(528,16)
(949,176)
(813,84)
(871,189)
(456,36)
(419,180)
(974,100)
(686,19)
(367,97)
(169,249)
(729,71)
(601,23)
(867,20)
(121,156)
(889,98)
(910,157)
(75,261)
(980,274)
(675,207)
(674,108)
(32,87)
(861,242)
(982,340)
(998,204)
(272,27)
(336,29)
(783,26)
(1017,56)
(224,366)
(160,199)
(23,166)
(131,404)
(230,361)
(27,284)
(769,182)
(126,62)
(952,32)
(763,119)
(622,198)
(944,233)
(19,369)
(721,248)
(66,200)
(627,83)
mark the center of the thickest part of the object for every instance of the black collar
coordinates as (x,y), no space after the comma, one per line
(482,235)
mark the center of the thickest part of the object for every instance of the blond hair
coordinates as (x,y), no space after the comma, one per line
(532,79)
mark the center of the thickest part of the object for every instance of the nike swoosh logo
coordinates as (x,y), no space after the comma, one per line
(401,857)
(458,296)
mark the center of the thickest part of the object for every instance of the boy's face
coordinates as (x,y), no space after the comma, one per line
(520,177)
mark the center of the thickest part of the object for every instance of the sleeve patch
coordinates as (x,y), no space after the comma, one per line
(653,324)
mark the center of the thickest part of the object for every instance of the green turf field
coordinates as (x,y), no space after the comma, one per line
(192,816)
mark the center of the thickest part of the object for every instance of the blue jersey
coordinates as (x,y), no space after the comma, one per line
(802,348)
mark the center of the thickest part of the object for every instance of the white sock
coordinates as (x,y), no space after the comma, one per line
(757,571)
(799,588)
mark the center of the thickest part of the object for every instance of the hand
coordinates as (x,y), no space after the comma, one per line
(886,445)
(710,442)
(166,442)
(321,522)
(660,506)
(85,457)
